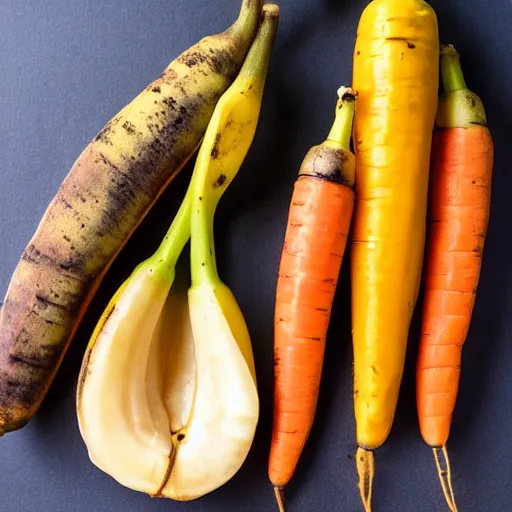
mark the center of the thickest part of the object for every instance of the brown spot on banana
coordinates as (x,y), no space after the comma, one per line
(219,181)
(106,194)
(215,150)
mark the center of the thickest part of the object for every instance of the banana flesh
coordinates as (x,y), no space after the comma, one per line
(120,406)
(167,399)
(224,416)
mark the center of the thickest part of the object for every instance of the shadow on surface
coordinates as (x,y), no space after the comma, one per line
(336,5)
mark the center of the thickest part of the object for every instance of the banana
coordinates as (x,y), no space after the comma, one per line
(108,191)
(167,400)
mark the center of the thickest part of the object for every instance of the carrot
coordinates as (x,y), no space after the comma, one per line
(396,71)
(461,174)
(318,223)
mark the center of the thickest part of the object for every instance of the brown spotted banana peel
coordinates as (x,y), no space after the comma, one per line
(109,190)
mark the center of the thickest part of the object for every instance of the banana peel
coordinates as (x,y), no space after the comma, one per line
(110,188)
(167,398)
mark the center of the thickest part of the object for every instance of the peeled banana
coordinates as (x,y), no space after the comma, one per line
(167,401)
(107,193)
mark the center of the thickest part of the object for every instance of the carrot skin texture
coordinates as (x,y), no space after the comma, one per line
(309,270)
(462,162)
(396,72)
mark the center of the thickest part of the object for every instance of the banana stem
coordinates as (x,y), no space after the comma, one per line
(250,81)
(248,18)
(255,67)
(202,251)
(176,238)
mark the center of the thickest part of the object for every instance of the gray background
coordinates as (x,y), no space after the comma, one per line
(67,66)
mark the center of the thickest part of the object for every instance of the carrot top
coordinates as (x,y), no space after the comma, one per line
(338,141)
(458,107)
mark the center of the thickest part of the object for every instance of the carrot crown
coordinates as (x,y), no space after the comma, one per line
(332,159)
(458,107)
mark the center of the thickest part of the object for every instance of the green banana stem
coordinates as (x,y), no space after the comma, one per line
(203,260)
(248,18)
(458,107)
(166,256)
(255,66)
(250,80)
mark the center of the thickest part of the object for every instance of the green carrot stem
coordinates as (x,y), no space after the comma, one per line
(341,130)
(451,70)
(458,106)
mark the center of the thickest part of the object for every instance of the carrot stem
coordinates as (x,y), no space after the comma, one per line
(366,470)
(451,70)
(341,130)
(458,107)
(445,475)
(278,491)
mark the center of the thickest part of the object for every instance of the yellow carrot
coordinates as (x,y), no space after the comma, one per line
(396,76)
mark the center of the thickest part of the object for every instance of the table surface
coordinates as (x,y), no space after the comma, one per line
(67,66)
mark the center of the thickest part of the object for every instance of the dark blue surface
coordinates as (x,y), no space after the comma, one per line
(67,66)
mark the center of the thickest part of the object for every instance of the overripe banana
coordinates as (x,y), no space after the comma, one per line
(167,401)
(107,193)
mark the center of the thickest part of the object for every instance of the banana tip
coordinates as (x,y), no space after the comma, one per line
(271,10)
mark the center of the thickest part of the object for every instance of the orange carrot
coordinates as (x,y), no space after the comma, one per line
(462,162)
(316,235)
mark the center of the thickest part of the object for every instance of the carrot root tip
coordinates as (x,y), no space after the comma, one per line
(278,491)
(445,476)
(366,471)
